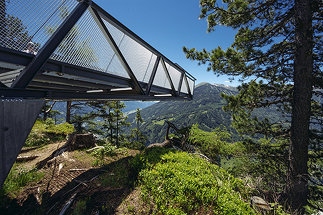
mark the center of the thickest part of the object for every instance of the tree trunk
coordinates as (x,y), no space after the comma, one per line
(137,133)
(46,112)
(117,130)
(110,124)
(297,184)
(68,111)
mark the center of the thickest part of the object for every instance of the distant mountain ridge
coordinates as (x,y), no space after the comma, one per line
(131,107)
(205,109)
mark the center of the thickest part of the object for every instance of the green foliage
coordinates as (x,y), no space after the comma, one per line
(108,120)
(17,179)
(185,184)
(45,132)
(101,153)
(107,150)
(80,207)
(206,110)
(136,139)
(14,30)
(268,52)
(265,160)
(118,178)
(277,209)
(215,144)
(146,159)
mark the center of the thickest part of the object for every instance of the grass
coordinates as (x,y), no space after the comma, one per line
(45,132)
(19,178)
(118,176)
(160,122)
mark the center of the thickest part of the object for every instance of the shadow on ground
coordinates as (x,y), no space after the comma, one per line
(102,190)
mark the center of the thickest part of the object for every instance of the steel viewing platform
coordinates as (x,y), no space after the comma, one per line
(73,50)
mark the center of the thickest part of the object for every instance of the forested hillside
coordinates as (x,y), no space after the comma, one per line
(206,110)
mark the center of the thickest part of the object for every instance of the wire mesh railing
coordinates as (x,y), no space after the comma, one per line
(26,26)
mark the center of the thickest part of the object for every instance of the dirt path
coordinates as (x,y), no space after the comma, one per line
(103,188)
(42,153)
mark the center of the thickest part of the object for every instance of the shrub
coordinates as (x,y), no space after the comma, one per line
(107,150)
(147,158)
(182,183)
(80,207)
(215,144)
(45,132)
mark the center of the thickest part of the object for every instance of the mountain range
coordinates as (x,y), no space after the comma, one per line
(205,110)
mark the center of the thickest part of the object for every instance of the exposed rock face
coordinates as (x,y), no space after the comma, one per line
(80,141)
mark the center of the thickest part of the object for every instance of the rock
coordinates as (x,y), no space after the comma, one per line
(80,141)
(260,203)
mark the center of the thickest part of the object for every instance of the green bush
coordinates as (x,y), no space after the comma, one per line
(215,144)
(45,132)
(182,183)
(146,159)
(80,207)
(107,150)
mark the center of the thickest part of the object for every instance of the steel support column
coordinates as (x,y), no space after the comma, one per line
(17,117)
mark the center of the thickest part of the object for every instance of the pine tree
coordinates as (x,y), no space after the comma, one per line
(47,110)
(121,121)
(278,46)
(139,120)
(136,139)
(12,29)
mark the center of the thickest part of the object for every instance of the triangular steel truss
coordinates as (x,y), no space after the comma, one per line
(69,49)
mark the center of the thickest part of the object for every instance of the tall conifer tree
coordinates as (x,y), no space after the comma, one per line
(278,47)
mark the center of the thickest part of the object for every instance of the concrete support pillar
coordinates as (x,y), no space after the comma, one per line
(17,117)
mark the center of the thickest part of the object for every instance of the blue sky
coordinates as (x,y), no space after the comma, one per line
(169,25)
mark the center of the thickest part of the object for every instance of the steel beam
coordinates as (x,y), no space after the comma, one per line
(15,57)
(69,82)
(63,95)
(188,86)
(169,78)
(53,86)
(40,59)
(152,76)
(72,74)
(180,83)
(2,85)
(113,21)
(116,50)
